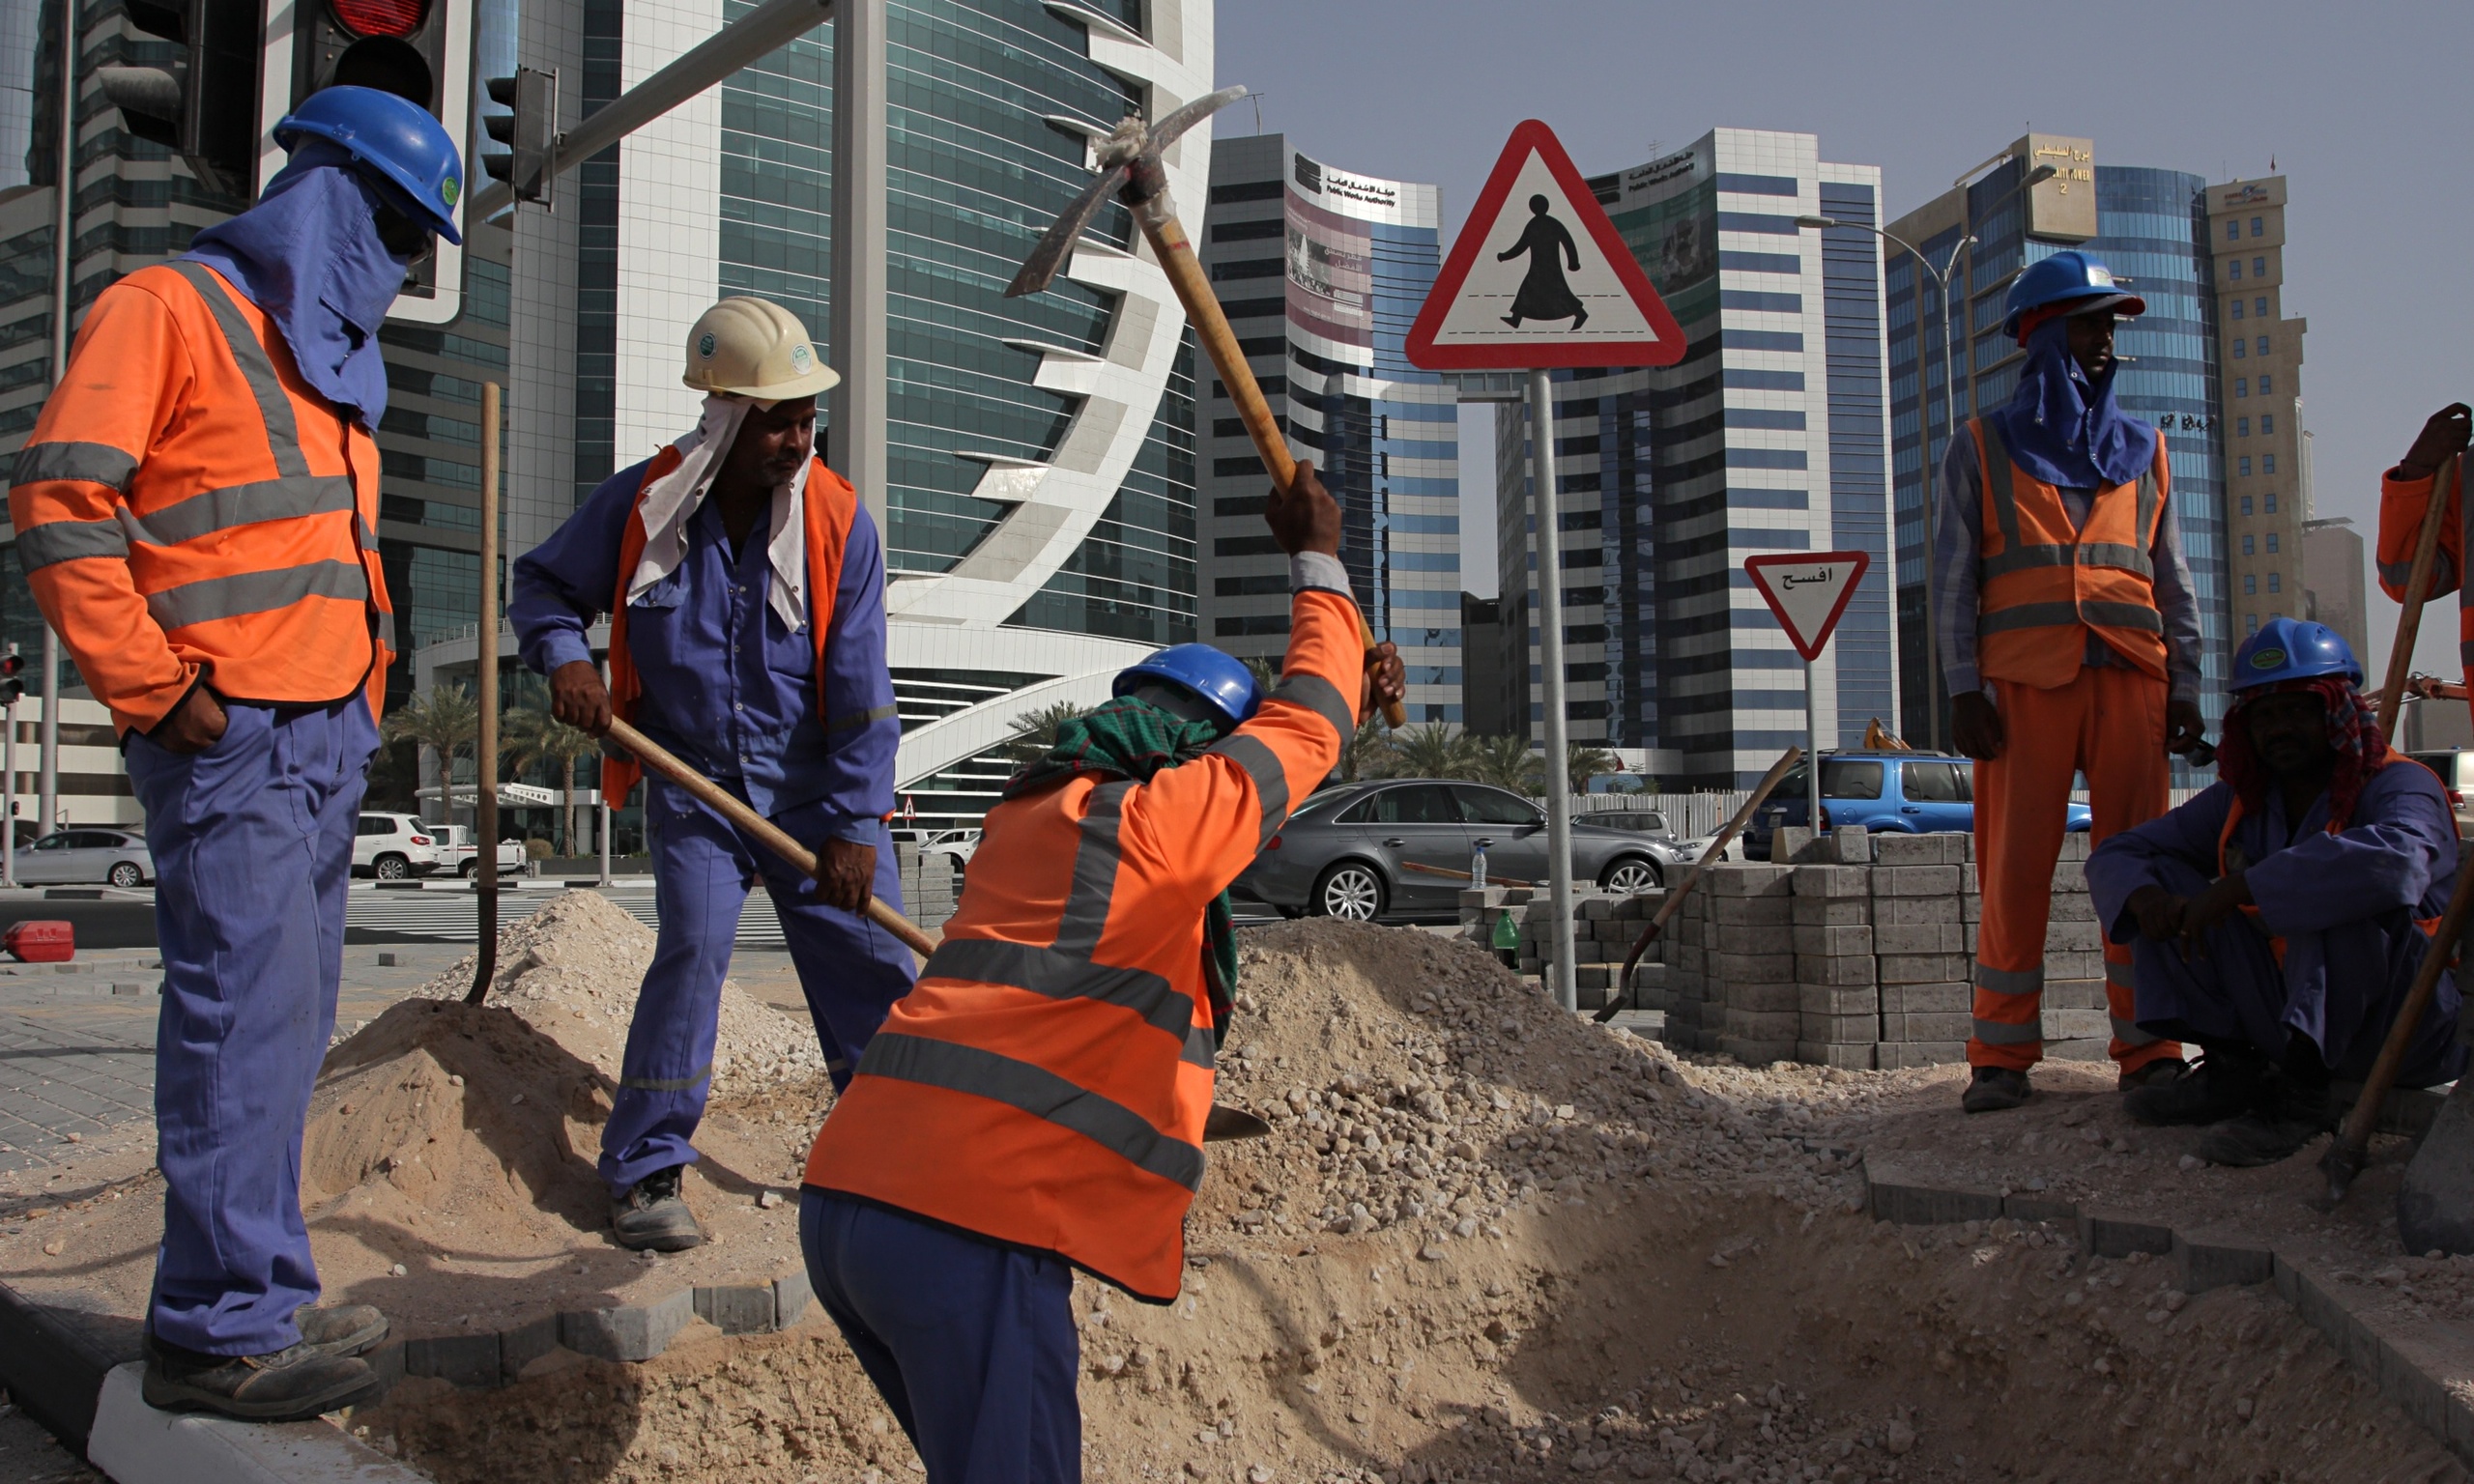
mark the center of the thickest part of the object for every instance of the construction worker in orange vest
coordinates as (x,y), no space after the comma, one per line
(1039,1102)
(197,515)
(2069,637)
(746,590)
(2279,917)
(2404,497)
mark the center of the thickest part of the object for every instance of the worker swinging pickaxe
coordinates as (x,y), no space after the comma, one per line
(1129,160)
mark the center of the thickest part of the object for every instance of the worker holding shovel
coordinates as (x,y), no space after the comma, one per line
(746,587)
(2278,918)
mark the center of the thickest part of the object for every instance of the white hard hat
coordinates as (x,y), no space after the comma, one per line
(755,349)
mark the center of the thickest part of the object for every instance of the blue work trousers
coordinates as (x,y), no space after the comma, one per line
(851,969)
(970,1343)
(252,844)
(2237,994)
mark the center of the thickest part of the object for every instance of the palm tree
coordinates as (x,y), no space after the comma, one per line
(443,720)
(1581,763)
(1434,750)
(1035,731)
(535,736)
(1367,754)
(1502,761)
(1266,673)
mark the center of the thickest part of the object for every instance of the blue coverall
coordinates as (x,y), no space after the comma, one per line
(2344,904)
(731,689)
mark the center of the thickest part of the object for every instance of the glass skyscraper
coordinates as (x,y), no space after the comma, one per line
(2151,229)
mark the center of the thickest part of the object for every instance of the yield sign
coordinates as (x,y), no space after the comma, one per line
(1808,590)
(1539,277)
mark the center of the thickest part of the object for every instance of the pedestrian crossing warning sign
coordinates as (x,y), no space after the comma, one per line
(1539,277)
(1809,592)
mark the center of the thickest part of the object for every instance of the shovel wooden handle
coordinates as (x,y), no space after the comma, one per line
(2449,478)
(1176,254)
(772,836)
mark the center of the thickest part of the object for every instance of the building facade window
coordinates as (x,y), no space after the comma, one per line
(2250,623)
(2265,389)
(2272,502)
(2267,423)
(2258,268)
(2241,385)
(2250,585)
(2258,227)
(2264,344)
(2242,466)
(2233,231)
(2246,544)
(2272,543)
(2237,308)
(2246,504)
(2233,269)
(2267,463)
(2276,582)
(2241,427)
(2239,347)
(2260,307)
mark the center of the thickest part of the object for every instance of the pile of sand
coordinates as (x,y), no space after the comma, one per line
(573,969)
(1487,1240)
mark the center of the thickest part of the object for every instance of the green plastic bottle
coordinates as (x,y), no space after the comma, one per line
(1507,936)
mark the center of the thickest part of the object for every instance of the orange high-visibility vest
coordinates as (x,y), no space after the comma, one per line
(2042,585)
(2402,505)
(2229,856)
(831,504)
(1047,1082)
(188,505)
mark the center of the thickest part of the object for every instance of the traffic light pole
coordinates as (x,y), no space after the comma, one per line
(768,28)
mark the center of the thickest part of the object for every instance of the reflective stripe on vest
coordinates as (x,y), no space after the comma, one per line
(829,505)
(2029,582)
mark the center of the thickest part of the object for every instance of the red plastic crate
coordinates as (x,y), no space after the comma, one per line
(41,942)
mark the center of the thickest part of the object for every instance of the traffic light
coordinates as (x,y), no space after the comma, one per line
(12,688)
(530,131)
(205,105)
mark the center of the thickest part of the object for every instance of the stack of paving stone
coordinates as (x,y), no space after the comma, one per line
(1604,928)
(927,885)
(1482,905)
(1858,953)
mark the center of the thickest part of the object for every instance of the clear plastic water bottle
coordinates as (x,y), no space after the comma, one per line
(1478,867)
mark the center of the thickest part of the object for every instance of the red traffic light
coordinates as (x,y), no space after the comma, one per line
(11,663)
(380,17)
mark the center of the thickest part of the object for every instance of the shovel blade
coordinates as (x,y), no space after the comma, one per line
(1224,1122)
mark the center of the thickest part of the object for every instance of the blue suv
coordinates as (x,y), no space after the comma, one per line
(1909,793)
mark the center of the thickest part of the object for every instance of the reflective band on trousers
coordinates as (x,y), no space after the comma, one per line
(2002,1033)
(2010,980)
(668,1084)
(256,593)
(1038,1092)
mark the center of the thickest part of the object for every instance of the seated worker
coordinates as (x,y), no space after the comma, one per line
(746,593)
(2280,915)
(1039,1102)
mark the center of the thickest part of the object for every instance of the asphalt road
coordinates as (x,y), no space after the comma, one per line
(127,922)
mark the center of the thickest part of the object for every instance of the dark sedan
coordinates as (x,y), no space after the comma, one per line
(1346,851)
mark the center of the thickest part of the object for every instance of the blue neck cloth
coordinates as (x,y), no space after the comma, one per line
(2066,430)
(309,254)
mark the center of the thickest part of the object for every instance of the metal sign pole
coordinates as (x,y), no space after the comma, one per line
(9,765)
(1550,656)
(485,747)
(1812,753)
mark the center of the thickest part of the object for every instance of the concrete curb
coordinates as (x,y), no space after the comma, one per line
(136,1444)
(2433,1386)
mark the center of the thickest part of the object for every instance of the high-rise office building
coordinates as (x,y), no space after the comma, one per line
(2151,227)
(1768,436)
(2267,502)
(2332,588)
(1323,271)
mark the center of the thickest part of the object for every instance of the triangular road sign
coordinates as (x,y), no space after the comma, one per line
(1807,590)
(1539,277)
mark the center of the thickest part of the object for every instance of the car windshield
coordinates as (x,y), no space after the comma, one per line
(1325,802)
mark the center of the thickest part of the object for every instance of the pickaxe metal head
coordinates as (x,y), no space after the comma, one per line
(1129,160)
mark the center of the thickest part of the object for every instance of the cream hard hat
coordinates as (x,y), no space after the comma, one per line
(755,349)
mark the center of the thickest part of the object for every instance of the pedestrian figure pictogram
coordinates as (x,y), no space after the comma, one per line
(1543,294)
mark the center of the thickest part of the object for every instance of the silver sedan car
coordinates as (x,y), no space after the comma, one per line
(1349,850)
(111,857)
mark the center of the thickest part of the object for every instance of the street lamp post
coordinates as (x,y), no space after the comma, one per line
(1949,417)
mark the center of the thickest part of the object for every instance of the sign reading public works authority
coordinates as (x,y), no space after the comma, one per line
(1539,277)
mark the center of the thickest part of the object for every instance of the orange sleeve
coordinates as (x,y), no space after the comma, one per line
(1197,825)
(2402,504)
(129,375)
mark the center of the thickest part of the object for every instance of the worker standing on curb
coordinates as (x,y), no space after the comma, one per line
(2070,639)
(746,591)
(2279,917)
(196,513)
(1039,1102)
(2404,497)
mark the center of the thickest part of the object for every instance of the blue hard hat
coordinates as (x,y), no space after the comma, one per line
(2293,650)
(2065,275)
(394,136)
(1221,680)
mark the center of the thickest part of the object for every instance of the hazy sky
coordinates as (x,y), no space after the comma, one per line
(2364,107)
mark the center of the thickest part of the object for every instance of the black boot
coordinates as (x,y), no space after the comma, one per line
(1991,1089)
(2292,1108)
(2225,1084)
(345,1330)
(289,1386)
(653,1216)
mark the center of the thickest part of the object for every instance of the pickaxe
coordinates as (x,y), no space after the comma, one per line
(1130,168)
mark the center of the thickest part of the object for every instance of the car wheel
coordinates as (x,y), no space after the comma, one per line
(1351,890)
(125,873)
(471,870)
(1630,873)
(391,867)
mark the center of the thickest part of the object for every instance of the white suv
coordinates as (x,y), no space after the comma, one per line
(396,847)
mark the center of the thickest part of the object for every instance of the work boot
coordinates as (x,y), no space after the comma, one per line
(652,1216)
(1995,1088)
(2165,1068)
(345,1330)
(2226,1084)
(2287,1115)
(290,1386)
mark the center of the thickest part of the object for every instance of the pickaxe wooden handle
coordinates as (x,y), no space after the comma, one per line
(771,835)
